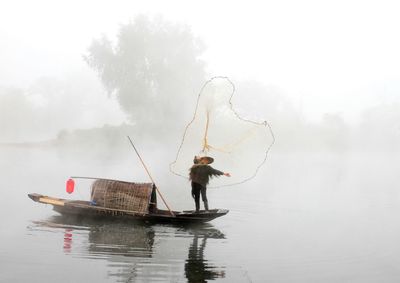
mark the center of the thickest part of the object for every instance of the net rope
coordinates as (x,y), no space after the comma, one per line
(228,149)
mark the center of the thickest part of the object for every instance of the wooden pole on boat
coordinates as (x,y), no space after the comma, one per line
(151,178)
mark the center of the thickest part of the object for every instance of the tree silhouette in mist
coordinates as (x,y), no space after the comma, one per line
(153,69)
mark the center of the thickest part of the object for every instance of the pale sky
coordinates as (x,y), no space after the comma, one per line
(328,56)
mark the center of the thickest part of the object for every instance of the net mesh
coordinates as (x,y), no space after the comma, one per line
(238,145)
(122,195)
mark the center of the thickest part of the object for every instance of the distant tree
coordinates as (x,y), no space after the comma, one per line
(258,101)
(154,69)
(379,129)
(50,104)
(16,115)
(334,132)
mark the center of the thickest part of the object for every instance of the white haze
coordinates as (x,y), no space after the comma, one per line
(336,56)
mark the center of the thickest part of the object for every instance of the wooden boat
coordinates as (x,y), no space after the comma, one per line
(137,201)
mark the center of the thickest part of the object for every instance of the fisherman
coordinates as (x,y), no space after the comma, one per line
(200,174)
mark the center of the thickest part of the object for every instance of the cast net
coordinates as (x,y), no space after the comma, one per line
(239,145)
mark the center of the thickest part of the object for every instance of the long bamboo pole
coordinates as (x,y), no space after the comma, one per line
(151,178)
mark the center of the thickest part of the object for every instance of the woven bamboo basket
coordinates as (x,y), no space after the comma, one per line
(122,195)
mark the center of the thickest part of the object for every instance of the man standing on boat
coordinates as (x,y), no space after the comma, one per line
(200,174)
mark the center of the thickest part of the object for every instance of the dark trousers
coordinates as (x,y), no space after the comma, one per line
(198,189)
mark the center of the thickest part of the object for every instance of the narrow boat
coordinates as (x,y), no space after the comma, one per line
(125,200)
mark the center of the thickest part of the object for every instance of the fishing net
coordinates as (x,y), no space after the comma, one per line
(239,145)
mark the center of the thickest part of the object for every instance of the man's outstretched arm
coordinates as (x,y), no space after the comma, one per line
(218,173)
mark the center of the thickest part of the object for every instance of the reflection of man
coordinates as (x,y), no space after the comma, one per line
(200,174)
(196,268)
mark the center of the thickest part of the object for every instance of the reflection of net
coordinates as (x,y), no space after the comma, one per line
(239,146)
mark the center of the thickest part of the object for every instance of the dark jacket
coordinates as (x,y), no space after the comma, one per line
(201,174)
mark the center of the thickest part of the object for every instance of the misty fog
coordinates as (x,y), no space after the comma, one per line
(77,79)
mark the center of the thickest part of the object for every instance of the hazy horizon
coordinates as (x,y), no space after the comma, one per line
(339,58)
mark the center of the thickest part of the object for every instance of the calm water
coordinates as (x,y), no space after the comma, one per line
(306,218)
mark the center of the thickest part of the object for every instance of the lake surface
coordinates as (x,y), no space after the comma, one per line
(309,217)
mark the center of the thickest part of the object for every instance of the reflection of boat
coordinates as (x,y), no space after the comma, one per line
(105,238)
(125,200)
(139,252)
